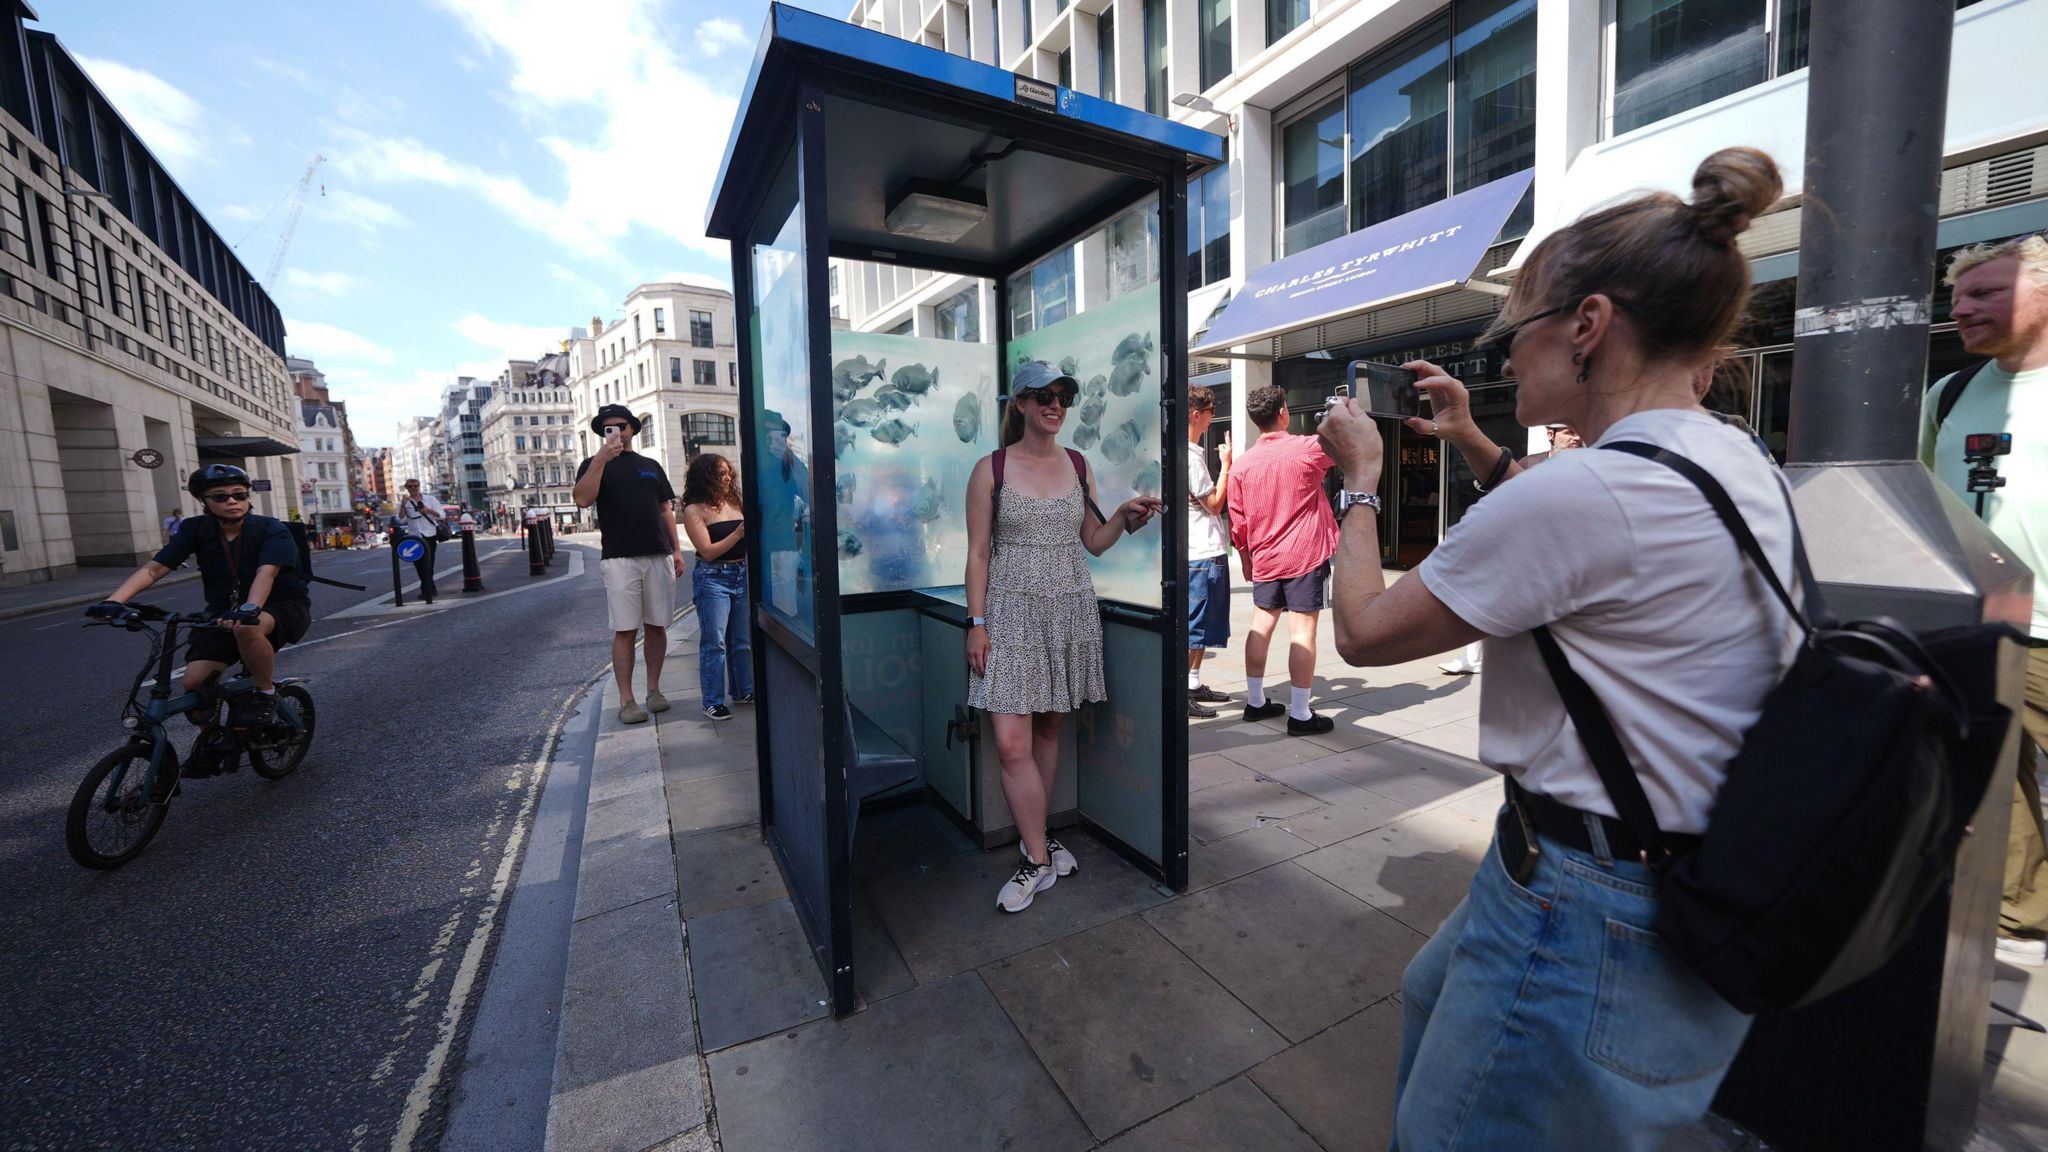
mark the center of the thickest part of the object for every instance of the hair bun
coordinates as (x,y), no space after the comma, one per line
(1730,188)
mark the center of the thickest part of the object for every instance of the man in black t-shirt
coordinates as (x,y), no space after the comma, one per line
(642,552)
(249,566)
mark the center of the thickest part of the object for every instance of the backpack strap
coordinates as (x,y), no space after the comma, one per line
(995,494)
(1954,392)
(1603,746)
(1081,473)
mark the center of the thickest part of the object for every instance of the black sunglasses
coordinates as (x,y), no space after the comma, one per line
(1505,338)
(228,497)
(1044,397)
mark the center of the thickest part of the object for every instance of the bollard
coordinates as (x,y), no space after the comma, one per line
(547,539)
(397,591)
(472,574)
(535,564)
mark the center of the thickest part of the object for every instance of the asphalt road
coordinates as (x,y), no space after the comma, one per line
(276,970)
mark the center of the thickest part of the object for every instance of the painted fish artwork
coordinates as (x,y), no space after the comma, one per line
(1119,446)
(845,486)
(931,501)
(1069,366)
(1096,385)
(842,439)
(915,379)
(894,399)
(967,417)
(893,431)
(1124,378)
(849,544)
(1146,482)
(1133,345)
(1086,436)
(862,413)
(850,376)
(1091,409)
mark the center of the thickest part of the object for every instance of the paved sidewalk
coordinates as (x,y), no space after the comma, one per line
(89,586)
(1258,1010)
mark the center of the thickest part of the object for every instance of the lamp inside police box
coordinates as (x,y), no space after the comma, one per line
(936,211)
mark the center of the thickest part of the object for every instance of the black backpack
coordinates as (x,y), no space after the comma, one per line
(1841,814)
(1954,392)
(302,537)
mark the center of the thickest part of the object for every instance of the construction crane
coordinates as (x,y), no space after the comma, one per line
(291,224)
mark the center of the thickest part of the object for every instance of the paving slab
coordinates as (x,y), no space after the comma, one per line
(725,868)
(709,802)
(1298,950)
(1127,1025)
(1212,769)
(1460,738)
(626,1070)
(1415,870)
(946,921)
(909,836)
(1242,806)
(878,968)
(1340,822)
(1339,1084)
(1234,856)
(626,854)
(939,1067)
(1233,1117)
(1411,774)
(1449,698)
(755,973)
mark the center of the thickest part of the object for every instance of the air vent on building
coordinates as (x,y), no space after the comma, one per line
(2000,180)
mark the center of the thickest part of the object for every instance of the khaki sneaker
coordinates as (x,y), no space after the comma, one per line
(656,702)
(632,713)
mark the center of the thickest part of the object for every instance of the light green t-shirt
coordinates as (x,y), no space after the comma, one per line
(2001,401)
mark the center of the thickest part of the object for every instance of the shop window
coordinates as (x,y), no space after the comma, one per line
(1209,228)
(959,315)
(1105,53)
(1284,16)
(1214,42)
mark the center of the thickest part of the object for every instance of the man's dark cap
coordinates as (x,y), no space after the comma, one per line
(614,411)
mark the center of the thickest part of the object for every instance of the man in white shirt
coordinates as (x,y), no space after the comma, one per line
(2000,307)
(420,514)
(1208,549)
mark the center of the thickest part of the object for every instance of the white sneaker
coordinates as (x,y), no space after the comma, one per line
(1031,879)
(2031,953)
(1458,667)
(1063,862)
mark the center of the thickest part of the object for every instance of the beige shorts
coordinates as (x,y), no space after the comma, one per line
(639,590)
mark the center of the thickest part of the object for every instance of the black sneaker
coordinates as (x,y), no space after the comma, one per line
(718,712)
(1199,711)
(1266,711)
(253,710)
(748,698)
(1313,726)
(1207,695)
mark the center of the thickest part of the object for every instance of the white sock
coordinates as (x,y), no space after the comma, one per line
(1255,691)
(1297,707)
(1194,681)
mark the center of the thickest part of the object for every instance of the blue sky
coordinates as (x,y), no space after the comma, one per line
(497,170)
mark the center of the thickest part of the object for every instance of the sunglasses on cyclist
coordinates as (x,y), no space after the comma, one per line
(1044,397)
(228,497)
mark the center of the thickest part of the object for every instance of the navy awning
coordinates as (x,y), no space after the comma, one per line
(1432,249)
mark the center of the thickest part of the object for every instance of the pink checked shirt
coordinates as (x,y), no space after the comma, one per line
(1278,513)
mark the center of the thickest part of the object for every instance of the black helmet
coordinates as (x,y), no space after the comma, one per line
(214,476)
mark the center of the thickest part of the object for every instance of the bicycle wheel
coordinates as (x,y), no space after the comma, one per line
(274,761)
(111,816)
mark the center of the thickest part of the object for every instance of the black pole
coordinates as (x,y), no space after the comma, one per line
(535,565)
(397,589)
(1876,101)
(472,573)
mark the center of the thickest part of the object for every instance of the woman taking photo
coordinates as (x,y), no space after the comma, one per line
(1547,1013)
(718,582)
(1034,640)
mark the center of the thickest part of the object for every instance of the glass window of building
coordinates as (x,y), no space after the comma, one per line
(1671,55)
(1154,12)
(1105,53)
(1493,79)
(1312,178)
(1133,248)
(906,328)
(959,316)
(660,321)
(700,329)
(675,369)
(708,428)
(1399,145)
(1066,67)
(1284,16)
(1209,228)
(1042,294)
(704,373)
(1214,19)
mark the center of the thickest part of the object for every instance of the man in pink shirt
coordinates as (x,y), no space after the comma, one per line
(1285,534)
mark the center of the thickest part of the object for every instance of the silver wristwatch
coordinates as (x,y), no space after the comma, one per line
(1346,500)
(977,621)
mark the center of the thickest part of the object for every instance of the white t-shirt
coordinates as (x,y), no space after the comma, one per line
(1646,593)
(416,522)
(2001,401)
(1205,528)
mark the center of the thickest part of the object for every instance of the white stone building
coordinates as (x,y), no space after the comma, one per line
(674,360)
(415,456)
(529,440)
(323,466)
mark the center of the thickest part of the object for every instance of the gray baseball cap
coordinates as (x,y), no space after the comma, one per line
(1038,374)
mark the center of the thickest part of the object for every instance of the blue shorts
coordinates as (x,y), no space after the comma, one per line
(1208,603)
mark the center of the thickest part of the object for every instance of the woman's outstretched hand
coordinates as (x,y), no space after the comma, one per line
(1138,511)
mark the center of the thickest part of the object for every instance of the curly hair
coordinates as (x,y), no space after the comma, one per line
(712,480)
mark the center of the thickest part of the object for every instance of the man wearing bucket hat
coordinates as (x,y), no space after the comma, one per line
(641,552)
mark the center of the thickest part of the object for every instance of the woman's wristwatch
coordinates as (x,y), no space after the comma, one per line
(977,621)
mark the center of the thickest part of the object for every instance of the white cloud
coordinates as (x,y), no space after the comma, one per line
(318,283)
(317,341)
(717,34)
(512,341)
(169,121)
(629,86)
(379,399)
(588,291)
(354,210)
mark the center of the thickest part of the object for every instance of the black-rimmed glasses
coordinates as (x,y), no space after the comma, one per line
(227,497)
(1505,338)
(1044,397)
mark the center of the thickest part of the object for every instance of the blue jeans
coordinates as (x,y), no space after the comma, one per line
(720,592)
(1552,1016)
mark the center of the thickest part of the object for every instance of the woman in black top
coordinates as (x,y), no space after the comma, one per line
(718,582)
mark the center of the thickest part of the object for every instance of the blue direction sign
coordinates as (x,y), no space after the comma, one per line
(412,550)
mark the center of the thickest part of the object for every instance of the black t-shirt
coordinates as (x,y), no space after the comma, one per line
(263,541)
(630,499)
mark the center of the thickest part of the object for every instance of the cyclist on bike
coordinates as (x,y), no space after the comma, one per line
(254,589)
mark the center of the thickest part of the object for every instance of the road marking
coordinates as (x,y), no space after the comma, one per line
(382,606)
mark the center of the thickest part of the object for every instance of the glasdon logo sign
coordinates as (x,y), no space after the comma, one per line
(1039,95)
(1358,266)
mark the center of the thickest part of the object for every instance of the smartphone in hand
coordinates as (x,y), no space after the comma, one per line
(1387,389)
